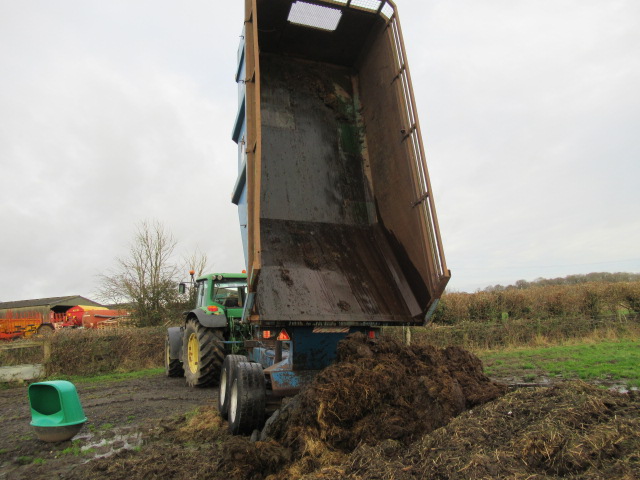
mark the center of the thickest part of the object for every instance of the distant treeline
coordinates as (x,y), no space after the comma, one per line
(606,277)
(540,301)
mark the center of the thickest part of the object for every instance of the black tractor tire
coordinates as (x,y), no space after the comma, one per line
(227,376)
(248,399)
(172,366)
(202,354)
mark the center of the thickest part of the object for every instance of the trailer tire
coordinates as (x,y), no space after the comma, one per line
(227,376)
(248,399)
(172,366)
(45,330)
(202,354)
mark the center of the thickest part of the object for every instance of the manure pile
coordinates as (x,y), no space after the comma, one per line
(378,391)
(389,411)
(571,430)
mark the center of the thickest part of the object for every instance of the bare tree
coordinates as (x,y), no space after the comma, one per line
(197,263)
(146,278)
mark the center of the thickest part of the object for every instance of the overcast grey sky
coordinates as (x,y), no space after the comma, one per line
(113,112)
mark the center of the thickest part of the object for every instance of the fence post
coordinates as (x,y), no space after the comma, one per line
(46,347)
(406,332)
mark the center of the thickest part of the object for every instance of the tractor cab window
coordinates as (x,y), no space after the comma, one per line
(201,294)
(230,294)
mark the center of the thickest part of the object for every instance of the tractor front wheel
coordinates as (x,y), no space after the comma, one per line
(202,354)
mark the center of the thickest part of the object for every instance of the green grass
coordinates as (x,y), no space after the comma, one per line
(89,379)
(111,377)
(74,449)
(94,428)
(607,361)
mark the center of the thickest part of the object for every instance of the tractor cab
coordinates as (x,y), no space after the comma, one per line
(221,293)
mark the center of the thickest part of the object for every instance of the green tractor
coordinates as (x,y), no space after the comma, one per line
(211,330)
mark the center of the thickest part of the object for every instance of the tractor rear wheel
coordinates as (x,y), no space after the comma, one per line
(172,366)
(248,399)
(227,376)
(202,354)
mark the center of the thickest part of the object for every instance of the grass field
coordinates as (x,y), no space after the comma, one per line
(111,377)
(596,350)
(609,362)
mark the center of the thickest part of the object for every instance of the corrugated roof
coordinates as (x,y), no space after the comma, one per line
(42,302)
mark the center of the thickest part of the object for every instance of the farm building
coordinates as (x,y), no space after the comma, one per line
(47,307)
(25,317)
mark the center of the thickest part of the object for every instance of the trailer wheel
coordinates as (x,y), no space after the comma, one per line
(227,376)
(45,330)
(202,354)
(172,366)
(248,398)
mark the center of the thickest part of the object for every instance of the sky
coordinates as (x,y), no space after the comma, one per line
(113,113)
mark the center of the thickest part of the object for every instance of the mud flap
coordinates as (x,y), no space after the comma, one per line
(210,321)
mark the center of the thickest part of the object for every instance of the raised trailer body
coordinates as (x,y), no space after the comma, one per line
(335,203)
(333,189)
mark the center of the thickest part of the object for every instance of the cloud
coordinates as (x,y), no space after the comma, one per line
(89,148)
(116,112)
(528,109)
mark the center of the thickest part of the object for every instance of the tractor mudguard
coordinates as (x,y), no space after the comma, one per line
(175,342)
(210,321)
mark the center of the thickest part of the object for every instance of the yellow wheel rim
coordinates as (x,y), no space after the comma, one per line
(193,352)
(167,356)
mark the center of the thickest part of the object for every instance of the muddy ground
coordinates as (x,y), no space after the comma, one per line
(383,411)
(120,415)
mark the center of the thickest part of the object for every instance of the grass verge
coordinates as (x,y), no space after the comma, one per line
(611,362)
(111,377)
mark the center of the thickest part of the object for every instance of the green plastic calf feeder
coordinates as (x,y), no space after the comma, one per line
(56,413)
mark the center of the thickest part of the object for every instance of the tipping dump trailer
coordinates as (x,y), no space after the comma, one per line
(336,209)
